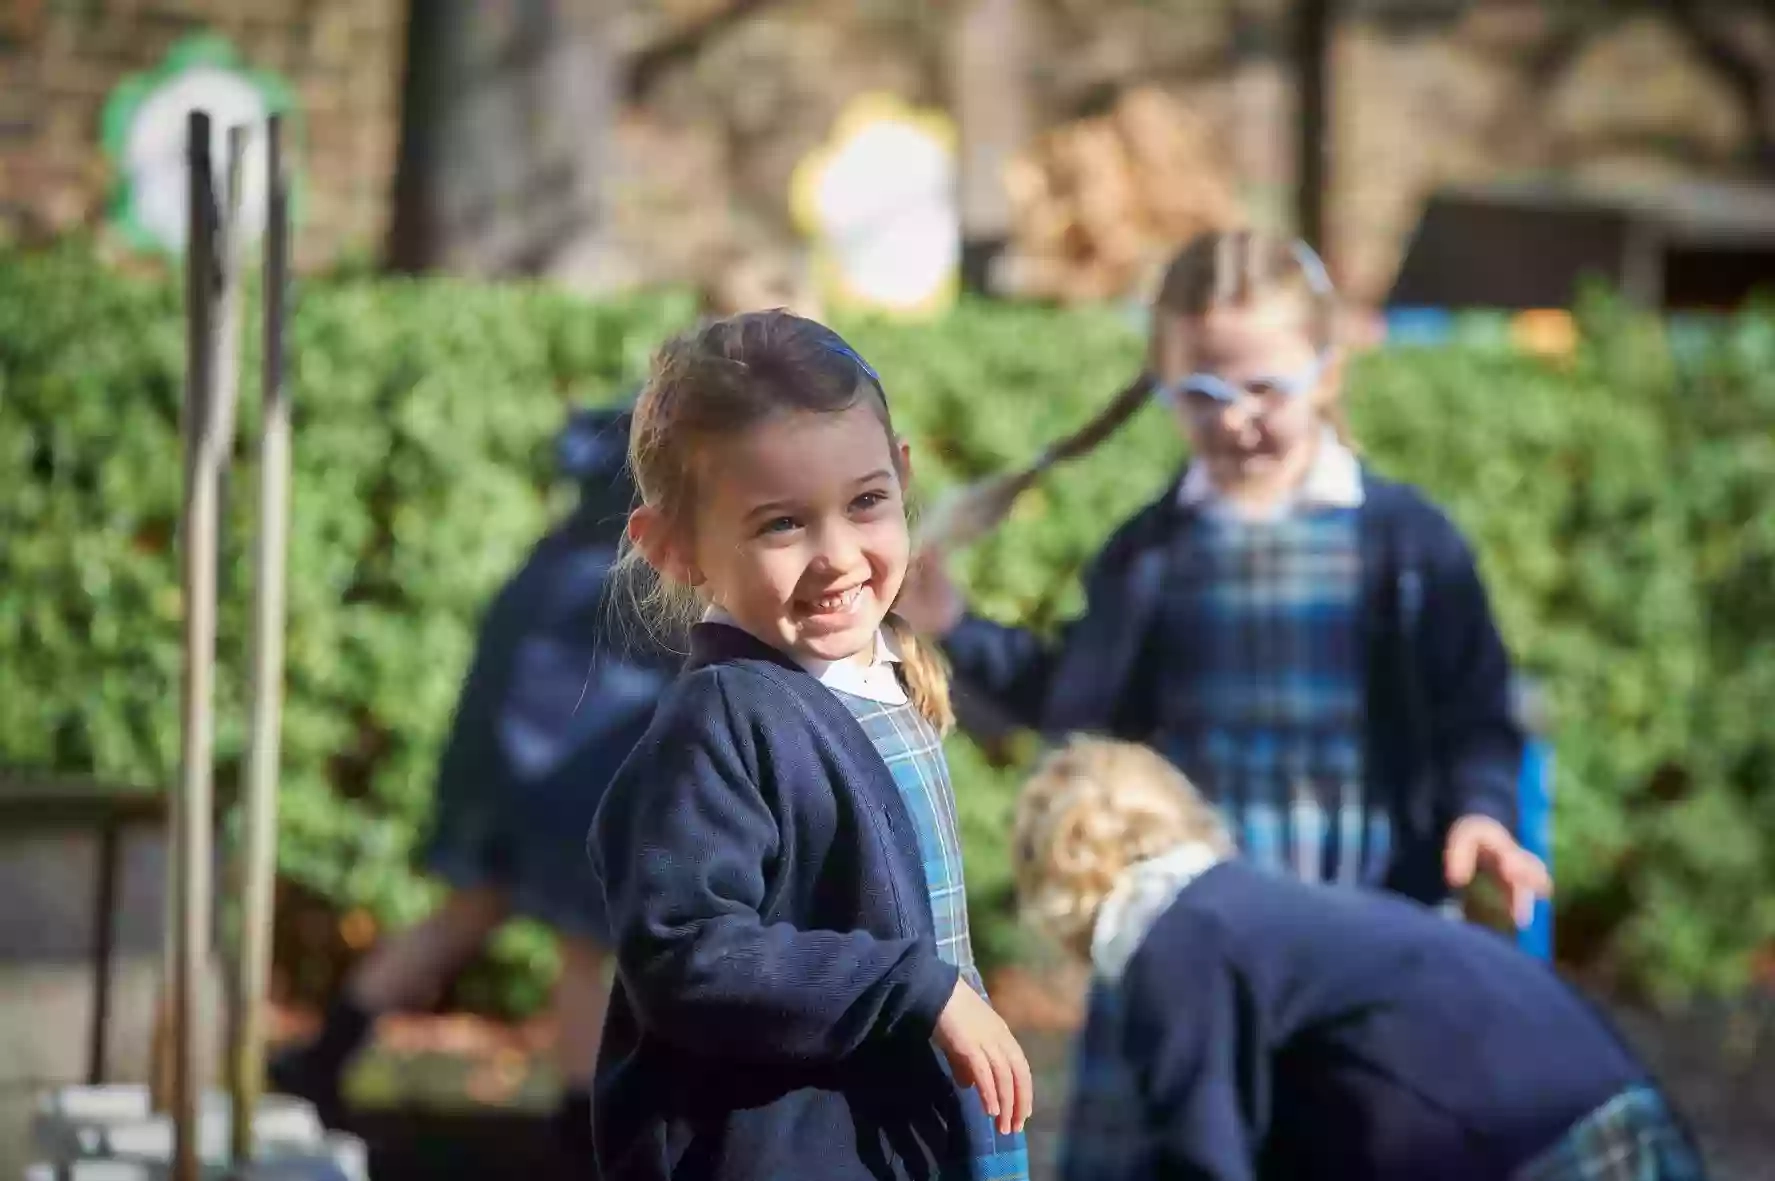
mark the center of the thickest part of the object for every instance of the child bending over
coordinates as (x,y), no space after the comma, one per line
(1245,1026)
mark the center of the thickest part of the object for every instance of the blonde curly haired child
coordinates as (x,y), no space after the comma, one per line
(1244,1025)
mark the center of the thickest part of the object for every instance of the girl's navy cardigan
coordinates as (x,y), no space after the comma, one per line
(778,980)
(1441,740)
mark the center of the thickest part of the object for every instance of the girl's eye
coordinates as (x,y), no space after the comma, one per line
(777,525)
(869,500)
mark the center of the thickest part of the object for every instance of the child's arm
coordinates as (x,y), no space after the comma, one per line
(682,843)
(1171,1080)
(1475,738)
(1012,667)
(1467,685)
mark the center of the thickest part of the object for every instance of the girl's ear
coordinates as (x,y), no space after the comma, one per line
(904,454)
(648,533)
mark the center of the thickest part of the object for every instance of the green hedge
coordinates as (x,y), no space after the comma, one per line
(1623,514)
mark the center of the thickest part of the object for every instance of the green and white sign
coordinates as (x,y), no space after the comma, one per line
(145,128)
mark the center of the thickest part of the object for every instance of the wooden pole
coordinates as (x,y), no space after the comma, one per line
(198,531)
(259,856)
(1313,27)
(208,283)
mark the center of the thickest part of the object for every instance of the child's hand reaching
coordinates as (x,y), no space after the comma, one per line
(1479,842)
(929,601)
(984,1055)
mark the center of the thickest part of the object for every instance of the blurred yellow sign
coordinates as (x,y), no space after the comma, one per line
(878,201)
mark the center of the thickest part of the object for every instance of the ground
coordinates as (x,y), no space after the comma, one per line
(446,1097)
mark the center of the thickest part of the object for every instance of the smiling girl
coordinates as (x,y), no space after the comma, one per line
(796,994)
(1307,640)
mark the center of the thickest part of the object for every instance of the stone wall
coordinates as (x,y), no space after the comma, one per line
(693,182)
(61,59)
(1467,91)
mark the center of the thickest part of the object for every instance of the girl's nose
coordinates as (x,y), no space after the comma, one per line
(1237,417)
(838,548)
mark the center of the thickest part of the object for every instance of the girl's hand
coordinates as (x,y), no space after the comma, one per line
(1479,842)
(929,601)
(984,1055)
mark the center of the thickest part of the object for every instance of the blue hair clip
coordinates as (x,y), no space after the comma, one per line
(845,350)
(1318,278)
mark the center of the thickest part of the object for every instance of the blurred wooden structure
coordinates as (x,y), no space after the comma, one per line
(1684,247)
(1099,205)
(86,821)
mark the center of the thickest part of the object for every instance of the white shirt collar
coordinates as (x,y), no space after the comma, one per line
(876,681)
(1143,892)
(1333,481)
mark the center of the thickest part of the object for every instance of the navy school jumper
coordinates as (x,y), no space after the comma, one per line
(778,979)
(1441,741)
(1270,1028)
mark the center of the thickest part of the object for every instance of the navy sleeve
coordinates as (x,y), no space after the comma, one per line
(1195,1034)
(683,843)
(1012,666)
(1466,680)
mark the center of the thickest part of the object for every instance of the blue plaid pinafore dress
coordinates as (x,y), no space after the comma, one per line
(1262,691)
(913,752)
(1632,1137)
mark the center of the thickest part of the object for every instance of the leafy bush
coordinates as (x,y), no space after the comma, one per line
(1621,510)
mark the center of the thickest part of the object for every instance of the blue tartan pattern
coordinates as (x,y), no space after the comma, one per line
(1105,1139)
(1633,1137)
(913,752)
(1262,696)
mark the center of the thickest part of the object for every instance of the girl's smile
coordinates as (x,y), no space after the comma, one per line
(802,536)
(1257,442)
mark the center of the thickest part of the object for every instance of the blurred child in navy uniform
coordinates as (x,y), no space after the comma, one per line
(1247,1027)
(561,687)
(1309,641)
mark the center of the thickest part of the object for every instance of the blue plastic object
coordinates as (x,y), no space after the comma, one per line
(1534,799)
(1535,804)
(1419,325)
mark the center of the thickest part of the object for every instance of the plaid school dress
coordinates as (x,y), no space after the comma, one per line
(1262,696)
(913,752)
(1633,1137)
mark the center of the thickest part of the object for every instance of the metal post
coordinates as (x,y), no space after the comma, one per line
(208,282)
(1312,63)
(104,937)
(247,1055)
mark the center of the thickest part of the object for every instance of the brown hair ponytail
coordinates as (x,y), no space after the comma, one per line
(927,676)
